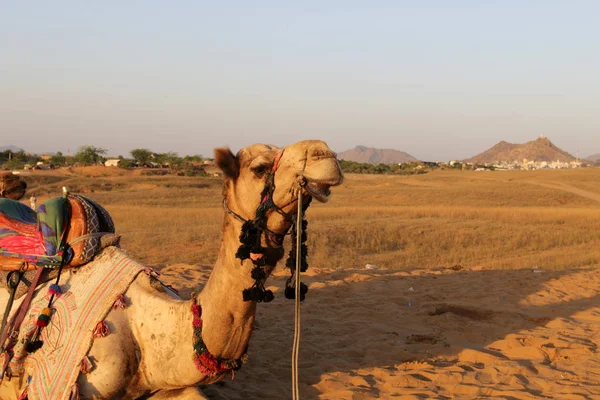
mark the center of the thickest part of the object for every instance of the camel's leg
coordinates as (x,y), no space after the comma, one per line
(189,393)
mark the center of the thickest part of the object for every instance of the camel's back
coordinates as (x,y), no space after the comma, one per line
(88,294)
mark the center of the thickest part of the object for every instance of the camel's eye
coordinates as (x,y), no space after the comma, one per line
(260,170)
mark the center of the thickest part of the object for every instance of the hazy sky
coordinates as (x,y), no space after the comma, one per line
(437,79)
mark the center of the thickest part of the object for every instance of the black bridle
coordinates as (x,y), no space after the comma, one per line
(251,242)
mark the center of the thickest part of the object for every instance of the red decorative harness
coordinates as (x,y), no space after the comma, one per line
(205,362)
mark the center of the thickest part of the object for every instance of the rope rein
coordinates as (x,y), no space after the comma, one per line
(296,344)
(34,343)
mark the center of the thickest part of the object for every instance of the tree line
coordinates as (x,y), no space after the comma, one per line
(411,168)
(191,165)
(92,155)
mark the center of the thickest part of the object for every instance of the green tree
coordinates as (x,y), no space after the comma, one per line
(126,163)
(89,155)
(172,159)
(58,160)
(193,158)
(141,156)
(14,164)
(19,155)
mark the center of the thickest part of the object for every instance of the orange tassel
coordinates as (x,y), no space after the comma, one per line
(101,330)
(86,365)
(120,302)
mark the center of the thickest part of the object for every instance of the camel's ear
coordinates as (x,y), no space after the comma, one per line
(228,163)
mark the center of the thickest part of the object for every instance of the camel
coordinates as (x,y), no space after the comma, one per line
(151,355)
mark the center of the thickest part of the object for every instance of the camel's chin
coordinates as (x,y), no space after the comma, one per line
(319,191)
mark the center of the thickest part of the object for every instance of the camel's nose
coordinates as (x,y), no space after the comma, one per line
(322,166)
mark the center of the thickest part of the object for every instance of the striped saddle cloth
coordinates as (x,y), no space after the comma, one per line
(66,231)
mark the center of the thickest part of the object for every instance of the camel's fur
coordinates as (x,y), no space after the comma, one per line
(150,349)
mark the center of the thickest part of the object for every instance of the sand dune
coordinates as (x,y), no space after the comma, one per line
(476,333)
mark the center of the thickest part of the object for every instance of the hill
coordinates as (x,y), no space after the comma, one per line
(370,155)
(541,149)
(12,148)
(594,157)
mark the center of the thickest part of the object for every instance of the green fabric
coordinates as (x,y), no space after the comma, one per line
(30,236)
(52,220)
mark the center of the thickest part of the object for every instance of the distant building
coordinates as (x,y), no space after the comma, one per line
(113,162)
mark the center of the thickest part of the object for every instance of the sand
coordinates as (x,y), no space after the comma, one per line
(449,333)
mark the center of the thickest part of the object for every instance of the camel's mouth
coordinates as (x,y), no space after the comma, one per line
(319,191)
(321,171)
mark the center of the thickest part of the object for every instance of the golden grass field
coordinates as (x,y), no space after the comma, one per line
(487,286)
(511,219)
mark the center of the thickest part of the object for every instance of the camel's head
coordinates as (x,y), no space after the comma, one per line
(308,167)
(263,187)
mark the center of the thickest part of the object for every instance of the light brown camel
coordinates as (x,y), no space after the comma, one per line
(151,350)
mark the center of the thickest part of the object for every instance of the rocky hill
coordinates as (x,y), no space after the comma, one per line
(12,148)
(370,155)
(541,149)
(594,157)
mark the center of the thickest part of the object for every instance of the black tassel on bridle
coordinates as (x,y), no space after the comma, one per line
(290,291)
(251,246)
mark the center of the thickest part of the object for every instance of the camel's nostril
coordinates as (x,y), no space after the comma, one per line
(320,154)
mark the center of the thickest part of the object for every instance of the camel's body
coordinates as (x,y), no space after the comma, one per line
(154,321)
(150,347)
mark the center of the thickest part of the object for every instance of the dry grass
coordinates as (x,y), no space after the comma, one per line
(519,219)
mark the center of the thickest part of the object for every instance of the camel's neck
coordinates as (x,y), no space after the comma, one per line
(227,318)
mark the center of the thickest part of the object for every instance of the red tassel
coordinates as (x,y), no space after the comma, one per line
(151,272)
(120,302)
(86,365)
(23,395)
(197,313)
(197,310)
(207,364)
(101,330)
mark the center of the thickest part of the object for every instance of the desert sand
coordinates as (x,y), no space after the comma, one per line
(447,333)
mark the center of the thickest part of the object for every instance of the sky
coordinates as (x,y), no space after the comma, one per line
(440,79)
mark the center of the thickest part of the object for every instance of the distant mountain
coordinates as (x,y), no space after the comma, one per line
(12,148)
(541,149)
(594,157)
(370,155)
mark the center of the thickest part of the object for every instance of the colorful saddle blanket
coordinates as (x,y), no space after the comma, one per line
(36,237)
